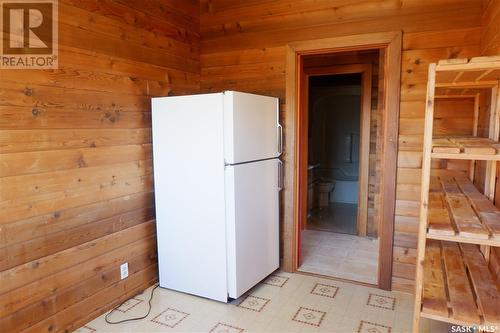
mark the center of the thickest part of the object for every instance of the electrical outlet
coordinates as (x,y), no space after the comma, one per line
(124,270)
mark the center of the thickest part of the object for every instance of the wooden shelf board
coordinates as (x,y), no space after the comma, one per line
(462,156)
(476,73)
(459,92)
(487,293)
(434,299)
(458,212)
(486,211)
(466,146)
(470,84)
(460,239)
(444,319)
(459,290)
(462,65)
(451,272)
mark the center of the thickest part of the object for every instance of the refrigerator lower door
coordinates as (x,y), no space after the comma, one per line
(252,217)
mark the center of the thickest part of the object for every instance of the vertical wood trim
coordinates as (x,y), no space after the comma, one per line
(364,152)
(392,41)
(290,214)
(303,132)
(389,157)
(424,194)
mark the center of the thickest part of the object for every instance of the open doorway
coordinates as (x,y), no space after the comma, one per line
(389,44)
(339,235)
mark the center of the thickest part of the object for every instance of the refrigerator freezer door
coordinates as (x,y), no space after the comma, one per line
(251,129)
(252,213)
(189,191)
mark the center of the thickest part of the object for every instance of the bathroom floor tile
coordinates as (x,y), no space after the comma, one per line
(342,214)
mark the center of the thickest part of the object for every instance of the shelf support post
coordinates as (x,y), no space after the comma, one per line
(494,129)
(491,166)
(424,198)
(472,168)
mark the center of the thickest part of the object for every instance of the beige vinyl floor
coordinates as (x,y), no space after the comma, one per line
(289,303)
(340,255)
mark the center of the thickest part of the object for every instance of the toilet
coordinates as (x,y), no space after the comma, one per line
(324,190)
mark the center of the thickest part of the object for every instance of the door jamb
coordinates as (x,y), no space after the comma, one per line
(391,42)
(364,149)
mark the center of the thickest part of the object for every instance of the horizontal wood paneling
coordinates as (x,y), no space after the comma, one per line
(15,141)
(248,32)
(94,304)
(76,164)
(490,33)
(25,317)
(39,289)
(243,48)
(55,242)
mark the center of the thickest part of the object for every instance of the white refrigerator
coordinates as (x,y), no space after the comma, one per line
(217,177)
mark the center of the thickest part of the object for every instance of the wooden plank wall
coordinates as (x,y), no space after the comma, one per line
(75,160)
(243,48)
(490,35)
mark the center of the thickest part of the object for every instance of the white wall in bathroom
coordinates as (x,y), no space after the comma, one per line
(334,138)
(345,192)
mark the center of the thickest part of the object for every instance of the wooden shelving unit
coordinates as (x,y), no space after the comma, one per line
(458,223)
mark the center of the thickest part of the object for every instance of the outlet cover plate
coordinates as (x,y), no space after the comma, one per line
(124,270)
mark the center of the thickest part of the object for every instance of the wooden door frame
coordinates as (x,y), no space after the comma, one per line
(364,138)
(391,42)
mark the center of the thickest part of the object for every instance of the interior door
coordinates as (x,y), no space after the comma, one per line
(252,214)
(251,130)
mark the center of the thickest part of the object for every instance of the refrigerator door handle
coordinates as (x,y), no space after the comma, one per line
(280,139)
(281,180)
